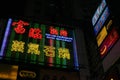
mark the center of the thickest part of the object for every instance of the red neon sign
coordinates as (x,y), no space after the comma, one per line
(109,42)
(35,33)
(20,26)
(63,33)
(53,31)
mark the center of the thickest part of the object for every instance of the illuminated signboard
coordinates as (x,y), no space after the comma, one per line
(98,12)
(101,21)
(39,44)
(28,73)
(103,33)
(109,24)
(101,36)
(109,42)
(8,72)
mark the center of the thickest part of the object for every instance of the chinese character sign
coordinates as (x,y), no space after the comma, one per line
(37,43)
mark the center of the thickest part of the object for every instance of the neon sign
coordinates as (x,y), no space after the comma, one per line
(27,74)
(39,44)
(102,20)
(109,42)
(8,72)
(59,37)
(20,26)
(101,36)
(98,12)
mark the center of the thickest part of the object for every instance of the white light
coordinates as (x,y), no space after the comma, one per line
(111,79)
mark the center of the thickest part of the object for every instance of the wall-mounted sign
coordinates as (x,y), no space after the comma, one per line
(101,36)
(42,44)
(98,12)
(28,73)
(8,72)
(109,42)
(109,24)
(101,21)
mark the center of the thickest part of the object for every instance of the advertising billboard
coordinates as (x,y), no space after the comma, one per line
(98,12)
(101,21)
(101,36)
(42,44)
(109,41)
(28,73)
(8,72)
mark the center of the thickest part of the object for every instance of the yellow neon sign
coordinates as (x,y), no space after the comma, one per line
(103,50)
(109,24)
(49,51)
(64,53)
(27,74)
(101,36)
(33,48)
(18,46)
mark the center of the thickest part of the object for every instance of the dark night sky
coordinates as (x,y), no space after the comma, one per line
(12,7)
(17,7)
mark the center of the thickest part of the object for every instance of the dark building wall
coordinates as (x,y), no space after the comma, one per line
(114,7)
(82,54)
(112,57)
(12,8)
(50,9)
(2,30)
(53,74)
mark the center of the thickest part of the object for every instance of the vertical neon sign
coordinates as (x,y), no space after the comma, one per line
(5,37)
(75,53)
(54,32)
(98,12)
